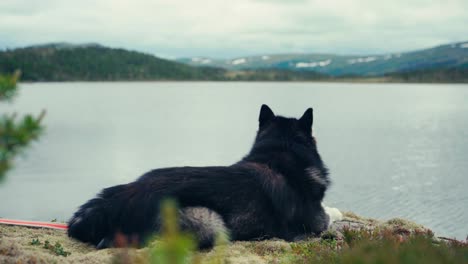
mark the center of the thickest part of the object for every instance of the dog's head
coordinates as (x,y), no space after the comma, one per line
(288,143)
(285,134)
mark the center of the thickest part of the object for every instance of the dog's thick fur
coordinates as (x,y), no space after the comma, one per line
(275,191)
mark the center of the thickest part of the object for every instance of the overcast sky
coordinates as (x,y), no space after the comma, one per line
(230,28)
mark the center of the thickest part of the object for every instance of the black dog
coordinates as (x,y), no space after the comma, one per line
(275,191)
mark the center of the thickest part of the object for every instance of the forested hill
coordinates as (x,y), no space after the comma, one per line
(92,62)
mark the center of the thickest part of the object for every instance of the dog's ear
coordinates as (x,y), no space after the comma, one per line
(307,119)
(266,115)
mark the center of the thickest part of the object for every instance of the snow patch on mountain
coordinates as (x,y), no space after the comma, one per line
(238,61)
(324,63)
(313,64)
(306,64)
(362,60)
(201,60)
(265,57)
(464,45)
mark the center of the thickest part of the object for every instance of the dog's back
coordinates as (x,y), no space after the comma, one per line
(133,209)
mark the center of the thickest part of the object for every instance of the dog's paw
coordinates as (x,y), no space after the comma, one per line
(333,214)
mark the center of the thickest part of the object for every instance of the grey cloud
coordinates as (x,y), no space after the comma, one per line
(283,2)
(234,28)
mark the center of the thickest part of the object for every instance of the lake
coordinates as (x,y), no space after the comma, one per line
(394,150)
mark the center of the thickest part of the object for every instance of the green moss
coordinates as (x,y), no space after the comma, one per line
(269,247)
(351,215)
(403,223)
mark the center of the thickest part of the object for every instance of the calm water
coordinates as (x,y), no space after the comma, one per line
(394,150)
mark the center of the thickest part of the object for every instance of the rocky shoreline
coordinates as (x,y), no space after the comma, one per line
(28,245)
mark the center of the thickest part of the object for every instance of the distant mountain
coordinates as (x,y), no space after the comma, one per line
(440,57)
(93,62)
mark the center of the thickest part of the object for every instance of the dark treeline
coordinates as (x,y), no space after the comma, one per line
(274,75)
(444,75)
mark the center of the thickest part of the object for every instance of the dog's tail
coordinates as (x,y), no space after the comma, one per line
(207,225)
(92,222)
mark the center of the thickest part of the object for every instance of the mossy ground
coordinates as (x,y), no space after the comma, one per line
(352,240)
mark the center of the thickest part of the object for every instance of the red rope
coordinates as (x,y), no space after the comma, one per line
(33,224)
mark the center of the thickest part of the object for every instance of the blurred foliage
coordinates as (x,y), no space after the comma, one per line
(8,85)
(417,249)
(15,133)
(383,246)
(171,246)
